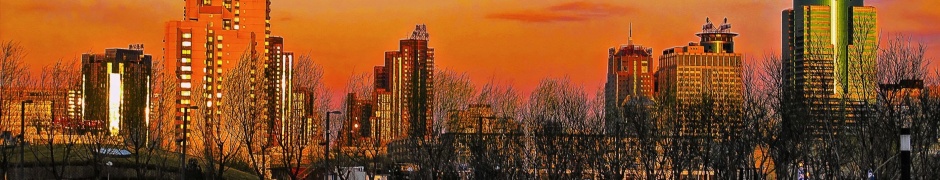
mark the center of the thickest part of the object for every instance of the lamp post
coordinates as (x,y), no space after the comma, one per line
(23,130)
(326,153)
(905,153)
(182,141)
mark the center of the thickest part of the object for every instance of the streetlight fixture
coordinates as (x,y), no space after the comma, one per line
(23,130)
(182,141)
(905,153)
(326,153)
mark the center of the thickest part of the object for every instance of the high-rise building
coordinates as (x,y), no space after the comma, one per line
(404,88)
(278,73)
(210,40)
(629,76)
(707,69)
(357,129)
(382,107)
(829,52)
(116,90)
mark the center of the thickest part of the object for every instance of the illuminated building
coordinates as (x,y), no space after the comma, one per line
(709,68)
(407,78)
(702,72)
(278,71)
(38,114)
(357,129)
(210,40)
(382,108)
(629,76)
(829,51)
(116,89)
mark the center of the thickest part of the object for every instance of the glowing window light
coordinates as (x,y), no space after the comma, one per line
(187,68)
(187,35)
(114,103)
(186,85)
(187,44)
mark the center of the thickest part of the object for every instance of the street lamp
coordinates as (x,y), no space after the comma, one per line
(905,153)
(326,153)
(182,141)
(23,129)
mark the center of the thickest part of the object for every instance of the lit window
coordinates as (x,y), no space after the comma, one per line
(187,52)
(236,26)
(187,44)
(218,46)
(208,103)
(186,68)
(185,93)
(186,76)
(220,38)
(187,35)
(219,95)
(186,85)
(185,60)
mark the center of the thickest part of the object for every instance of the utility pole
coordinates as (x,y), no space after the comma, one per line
(326,152)
(183,142)
(23,133)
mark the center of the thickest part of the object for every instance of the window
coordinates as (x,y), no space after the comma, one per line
(185,93)
(185,60)
(186,68)
(187,35)
(187,52)
(187,44)
(186,85)
(220,38)
(186,76)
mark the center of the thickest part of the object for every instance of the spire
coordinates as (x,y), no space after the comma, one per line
(630,40)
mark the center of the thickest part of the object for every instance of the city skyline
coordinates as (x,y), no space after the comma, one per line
(562,36)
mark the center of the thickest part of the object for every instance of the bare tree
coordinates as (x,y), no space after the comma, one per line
(55,148)
(296,131)
(13,74)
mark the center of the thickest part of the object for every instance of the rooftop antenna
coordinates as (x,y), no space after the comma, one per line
(630,40)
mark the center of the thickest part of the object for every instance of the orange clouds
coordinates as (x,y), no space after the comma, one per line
(573,11)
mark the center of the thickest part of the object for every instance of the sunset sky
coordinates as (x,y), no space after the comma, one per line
(519,42)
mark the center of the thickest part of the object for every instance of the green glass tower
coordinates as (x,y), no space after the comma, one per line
(829,51)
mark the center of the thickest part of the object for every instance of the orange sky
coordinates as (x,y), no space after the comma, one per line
(514,41)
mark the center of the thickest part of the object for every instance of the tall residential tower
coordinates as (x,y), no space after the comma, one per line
(405,89)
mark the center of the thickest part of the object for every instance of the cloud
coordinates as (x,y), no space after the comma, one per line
(572,11)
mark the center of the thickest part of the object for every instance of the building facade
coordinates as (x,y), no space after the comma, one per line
(829,52)
(706,69)
(213,37)
(116,89)
(47,111)
(705,75)
(278,85)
